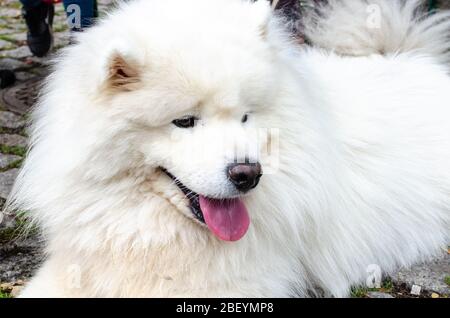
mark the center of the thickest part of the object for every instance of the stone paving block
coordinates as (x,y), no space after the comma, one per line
(429,276)
(378,295)
(7,221)
(11,120)
(10,12)
(17,53)
(19,37)
(6,182)
(6,160)
(24,76)
(39,61)
(5,31)
(9,3)
(5,45)
(12,64)
(13,140)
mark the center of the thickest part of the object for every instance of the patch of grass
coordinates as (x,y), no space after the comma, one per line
(387,286)
(22,219)
(359,292)
(15,5)
(12,131)
(7,38)
(22,228)
(4,295)
(23,132)
(7,235)
(7,47)
(13,150)
(447,280)
(10,233)
(14,165)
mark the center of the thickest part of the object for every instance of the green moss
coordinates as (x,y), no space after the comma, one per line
(447,280)
(14,165)
(23,132)
(359,292)
(15,5)
(11,131)
(387,286)
(13,150)
(4,295)
(7,38)
(22,219)
(8,235)
(22,228)
(7,47)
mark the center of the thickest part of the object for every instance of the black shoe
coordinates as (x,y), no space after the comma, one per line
(39,21)
(7,78)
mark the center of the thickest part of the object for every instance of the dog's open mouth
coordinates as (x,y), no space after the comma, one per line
(227,218)
(194,198)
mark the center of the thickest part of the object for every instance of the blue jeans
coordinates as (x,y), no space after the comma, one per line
(87,9)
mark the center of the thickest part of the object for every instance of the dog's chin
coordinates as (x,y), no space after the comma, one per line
(226,217)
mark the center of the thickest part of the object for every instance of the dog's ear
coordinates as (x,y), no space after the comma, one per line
(123,73)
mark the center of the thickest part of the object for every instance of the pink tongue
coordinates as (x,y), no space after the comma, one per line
(228,219)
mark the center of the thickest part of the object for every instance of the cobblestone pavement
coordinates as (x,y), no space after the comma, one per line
(21,254)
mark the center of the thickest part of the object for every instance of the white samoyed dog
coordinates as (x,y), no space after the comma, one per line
(193,149)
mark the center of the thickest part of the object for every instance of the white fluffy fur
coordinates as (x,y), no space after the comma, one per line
(364,27)
(364,175)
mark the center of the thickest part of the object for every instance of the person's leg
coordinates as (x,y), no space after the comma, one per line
(87,9)
(38,18)
(30,3)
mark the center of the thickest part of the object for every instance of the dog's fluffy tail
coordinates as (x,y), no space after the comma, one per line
(363,27)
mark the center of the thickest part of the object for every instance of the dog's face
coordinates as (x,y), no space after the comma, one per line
(196,111)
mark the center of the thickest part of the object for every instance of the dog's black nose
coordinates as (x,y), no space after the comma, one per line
(245,176)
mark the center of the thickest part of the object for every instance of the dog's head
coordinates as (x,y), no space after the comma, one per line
(187,94)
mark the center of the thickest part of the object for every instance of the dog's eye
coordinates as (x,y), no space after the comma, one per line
(185,122)
(245,118)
